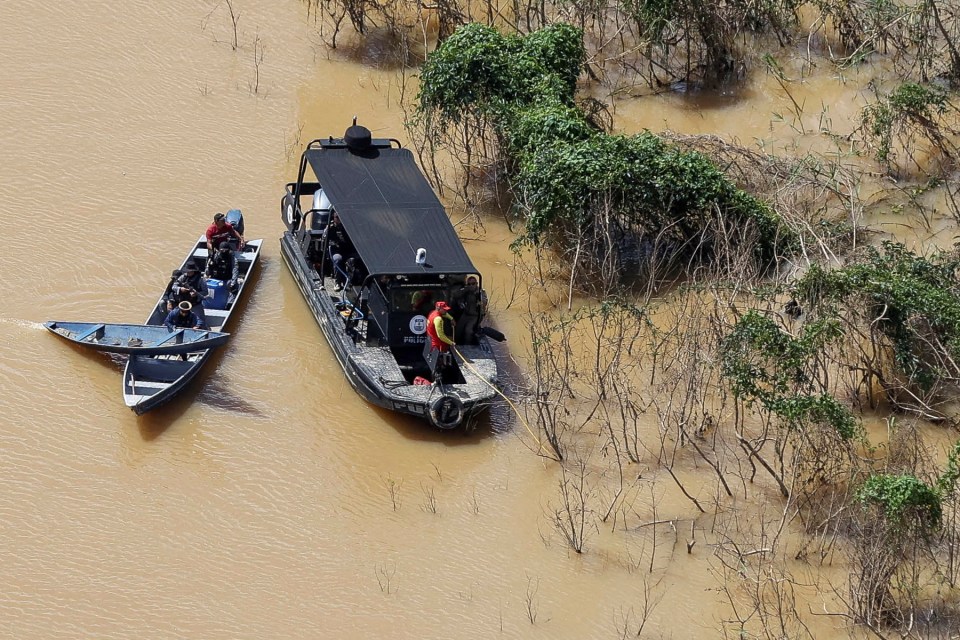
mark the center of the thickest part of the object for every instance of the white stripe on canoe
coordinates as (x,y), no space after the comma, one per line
(151,385)
(246,255)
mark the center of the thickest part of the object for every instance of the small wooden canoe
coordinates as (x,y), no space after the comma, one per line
(135,339)
(152,380)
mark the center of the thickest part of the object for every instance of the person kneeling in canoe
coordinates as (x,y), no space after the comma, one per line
(183,317)
(191,287)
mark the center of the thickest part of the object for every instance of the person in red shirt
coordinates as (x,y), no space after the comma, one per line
(221,231)
(440,328)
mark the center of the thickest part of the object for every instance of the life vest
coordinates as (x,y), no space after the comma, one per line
(221,266)
(435,340)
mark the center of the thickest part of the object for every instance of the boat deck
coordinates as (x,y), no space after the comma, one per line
(379,363)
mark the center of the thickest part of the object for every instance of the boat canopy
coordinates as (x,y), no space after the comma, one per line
(389,210)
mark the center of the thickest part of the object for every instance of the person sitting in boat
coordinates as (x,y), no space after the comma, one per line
(222,265)
(470,305)
(168,301)
(350,271)
(183,317)
(191,287)
(221,231)
(421,300)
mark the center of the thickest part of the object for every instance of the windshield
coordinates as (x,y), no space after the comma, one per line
(420,299)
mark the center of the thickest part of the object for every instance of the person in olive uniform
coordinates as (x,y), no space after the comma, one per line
(470,304)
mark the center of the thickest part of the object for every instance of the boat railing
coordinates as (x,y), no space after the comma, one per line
(339,143)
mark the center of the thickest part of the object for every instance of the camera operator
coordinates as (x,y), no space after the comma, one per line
(191,287)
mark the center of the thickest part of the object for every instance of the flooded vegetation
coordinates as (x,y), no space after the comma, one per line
(736,315)
(719,238)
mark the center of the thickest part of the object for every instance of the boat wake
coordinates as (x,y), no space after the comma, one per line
(25,324)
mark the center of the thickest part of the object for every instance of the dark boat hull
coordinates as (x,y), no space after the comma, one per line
(374,254)
(360,363)
(132,339)
(156,381)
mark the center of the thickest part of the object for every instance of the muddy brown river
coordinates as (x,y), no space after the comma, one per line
(269,501)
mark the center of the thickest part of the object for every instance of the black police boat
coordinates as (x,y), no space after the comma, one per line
(372,250)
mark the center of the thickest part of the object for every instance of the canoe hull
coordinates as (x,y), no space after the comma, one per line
(150,381)
(133,339)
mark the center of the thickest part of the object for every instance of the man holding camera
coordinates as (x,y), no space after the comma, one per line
(191,287)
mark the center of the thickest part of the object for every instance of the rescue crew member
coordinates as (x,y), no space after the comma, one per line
(471,305)
(440,328)
(220,231)
(421,300)
(183,318)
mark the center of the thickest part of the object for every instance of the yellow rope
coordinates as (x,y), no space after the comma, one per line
(500,393)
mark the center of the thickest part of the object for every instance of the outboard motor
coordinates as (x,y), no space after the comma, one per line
(235,218)
(321,209)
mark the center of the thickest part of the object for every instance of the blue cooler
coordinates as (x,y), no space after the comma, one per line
(219,293)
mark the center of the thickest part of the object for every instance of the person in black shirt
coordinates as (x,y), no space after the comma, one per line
(169,300)
(222,265)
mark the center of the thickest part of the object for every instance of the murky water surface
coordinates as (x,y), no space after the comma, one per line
(270,501)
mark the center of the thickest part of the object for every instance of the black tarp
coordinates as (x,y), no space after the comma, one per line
(389,211)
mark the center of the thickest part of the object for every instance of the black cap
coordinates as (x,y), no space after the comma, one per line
(191,266)
(224,245)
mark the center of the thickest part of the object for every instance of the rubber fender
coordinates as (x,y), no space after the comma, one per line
(290,212)
(446,412)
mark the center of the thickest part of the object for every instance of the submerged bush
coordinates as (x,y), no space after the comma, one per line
(903,499)
(480,69)
(911,300)
(912,111)
(562,169)
(765,364)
